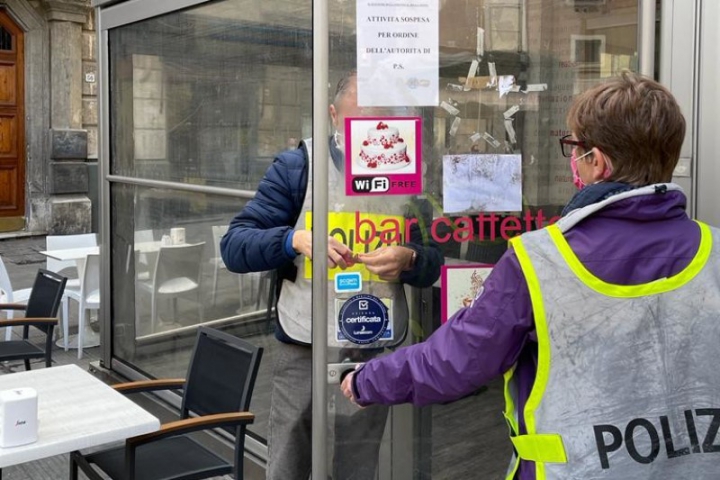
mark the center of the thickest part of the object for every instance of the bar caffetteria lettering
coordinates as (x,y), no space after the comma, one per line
(479,227)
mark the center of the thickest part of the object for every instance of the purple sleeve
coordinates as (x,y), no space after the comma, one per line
(477,344)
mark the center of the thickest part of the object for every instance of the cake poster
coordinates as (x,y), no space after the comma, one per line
(460,286)
(383,156)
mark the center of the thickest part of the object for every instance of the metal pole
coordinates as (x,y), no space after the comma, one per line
(646,37)
(321,153)
(105,313)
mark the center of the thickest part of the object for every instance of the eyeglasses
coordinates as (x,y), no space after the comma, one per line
(567,145)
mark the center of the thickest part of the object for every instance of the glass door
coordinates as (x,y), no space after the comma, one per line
(443,130)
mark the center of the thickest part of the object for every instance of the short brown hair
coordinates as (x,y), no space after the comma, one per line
(636,122)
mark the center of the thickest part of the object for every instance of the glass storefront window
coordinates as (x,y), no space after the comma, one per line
(209,95)
(168,278)
(544,53)
(206,96)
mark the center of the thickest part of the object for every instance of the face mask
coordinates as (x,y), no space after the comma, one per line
(339,141)
(579,183)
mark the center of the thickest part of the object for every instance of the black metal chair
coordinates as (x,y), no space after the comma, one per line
(40,312)
(219,385)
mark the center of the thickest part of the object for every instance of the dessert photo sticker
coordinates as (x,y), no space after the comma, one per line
(383,156)
(460,286)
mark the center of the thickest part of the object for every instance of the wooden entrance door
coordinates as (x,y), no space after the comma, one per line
(12,122)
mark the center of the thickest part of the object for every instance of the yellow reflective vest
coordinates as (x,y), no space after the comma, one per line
(626,385)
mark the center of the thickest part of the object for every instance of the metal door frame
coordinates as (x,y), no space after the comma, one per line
(680,33)
(707,101)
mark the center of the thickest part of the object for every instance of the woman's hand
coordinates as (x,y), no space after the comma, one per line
(346,388)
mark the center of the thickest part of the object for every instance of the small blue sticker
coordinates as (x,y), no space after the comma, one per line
(363,319)
(348,282)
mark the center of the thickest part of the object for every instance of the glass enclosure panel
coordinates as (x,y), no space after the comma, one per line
(209,94)
(493,169)
(168,278)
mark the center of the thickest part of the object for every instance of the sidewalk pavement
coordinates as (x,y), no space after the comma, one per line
(22,259)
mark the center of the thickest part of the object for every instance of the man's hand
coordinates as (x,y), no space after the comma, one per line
(339,255)
(388,262)
(302,242)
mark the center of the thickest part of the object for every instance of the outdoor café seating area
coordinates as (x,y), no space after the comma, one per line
(76,407)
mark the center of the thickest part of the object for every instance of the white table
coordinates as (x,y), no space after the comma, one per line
(154,247)
(72,253)
(75,411)
(90,338)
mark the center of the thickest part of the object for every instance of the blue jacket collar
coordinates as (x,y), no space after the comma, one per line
(595,193)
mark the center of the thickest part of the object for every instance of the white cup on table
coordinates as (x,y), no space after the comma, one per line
(177,235)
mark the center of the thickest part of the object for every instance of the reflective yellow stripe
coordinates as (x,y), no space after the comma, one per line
(632,291)
(546,447)
(510,418)
(510,402)
(513,470)
(543,368)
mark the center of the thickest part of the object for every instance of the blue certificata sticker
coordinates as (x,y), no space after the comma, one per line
(363,319)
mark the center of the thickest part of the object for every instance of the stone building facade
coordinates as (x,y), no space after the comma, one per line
(54,84)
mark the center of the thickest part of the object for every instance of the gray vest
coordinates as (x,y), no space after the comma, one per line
(294,305)
(625,386)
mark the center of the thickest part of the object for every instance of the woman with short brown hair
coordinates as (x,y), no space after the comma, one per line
(604,325)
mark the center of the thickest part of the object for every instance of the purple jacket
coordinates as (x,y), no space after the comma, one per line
(632,241)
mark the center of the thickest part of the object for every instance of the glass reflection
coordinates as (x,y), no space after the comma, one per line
(210,94)
(168,278)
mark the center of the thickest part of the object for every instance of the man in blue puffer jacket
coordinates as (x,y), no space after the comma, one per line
(272,232)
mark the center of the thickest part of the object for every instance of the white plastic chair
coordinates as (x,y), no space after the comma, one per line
(216,261)
(144,262)
(88,298)
(177,271)
(62,242)
(8,295)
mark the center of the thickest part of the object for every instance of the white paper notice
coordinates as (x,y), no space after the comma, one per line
(490,139)
(493,75)
(536,87)
(511,111)
(480,50)
(471,74)
(510,130)
(505,84)
(449,108)
(397,56)
(454,127)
